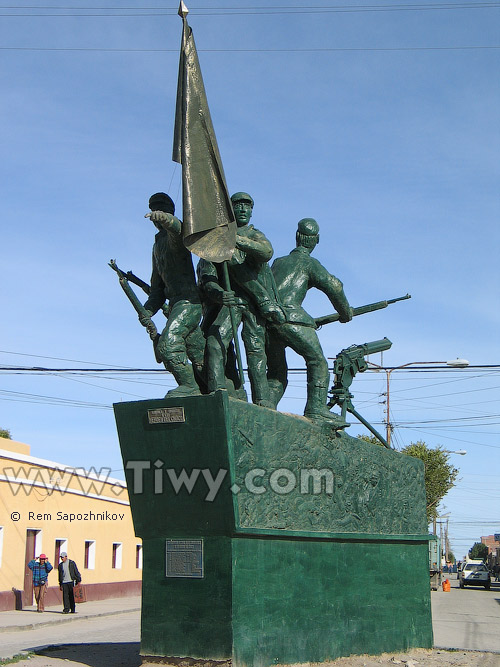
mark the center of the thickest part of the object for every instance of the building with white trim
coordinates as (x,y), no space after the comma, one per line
(48,507)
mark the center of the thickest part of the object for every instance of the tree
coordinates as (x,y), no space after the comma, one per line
(439,475)
(479,551)
(370,438)
(5,433)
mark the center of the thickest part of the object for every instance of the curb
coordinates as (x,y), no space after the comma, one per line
(72,619)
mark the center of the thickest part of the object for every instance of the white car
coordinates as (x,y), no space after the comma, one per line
(475,573)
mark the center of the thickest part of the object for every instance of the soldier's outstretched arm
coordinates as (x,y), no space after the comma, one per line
(334,289)
(167,221)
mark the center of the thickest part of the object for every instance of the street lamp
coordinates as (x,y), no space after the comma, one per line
(454,363)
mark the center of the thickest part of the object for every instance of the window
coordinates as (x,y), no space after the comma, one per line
(61,546)
(89,559)
(38,543)
(117,555)
(138,556)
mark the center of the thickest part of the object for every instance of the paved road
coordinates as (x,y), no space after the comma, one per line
(467,618)
(97,642)
(462,619)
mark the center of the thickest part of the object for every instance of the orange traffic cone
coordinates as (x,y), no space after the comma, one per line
(446,586)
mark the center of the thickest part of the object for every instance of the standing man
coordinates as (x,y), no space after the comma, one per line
(173,280)
(295,274)
(40,567)
(254,301)
(68,577)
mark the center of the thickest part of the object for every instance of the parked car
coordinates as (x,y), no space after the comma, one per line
(475,573)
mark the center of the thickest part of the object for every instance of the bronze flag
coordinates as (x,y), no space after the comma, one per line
(208,218)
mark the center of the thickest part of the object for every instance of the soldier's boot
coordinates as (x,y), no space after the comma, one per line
(256,360)
(183,373)
(316,409)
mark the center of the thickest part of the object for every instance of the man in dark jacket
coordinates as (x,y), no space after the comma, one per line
(68,577)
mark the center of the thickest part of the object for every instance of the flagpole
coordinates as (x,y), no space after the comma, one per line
(234,327)
(209,227)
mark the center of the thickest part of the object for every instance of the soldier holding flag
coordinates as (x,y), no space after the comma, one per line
(255,302)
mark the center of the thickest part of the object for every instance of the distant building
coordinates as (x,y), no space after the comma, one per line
(493,544)
(48,507)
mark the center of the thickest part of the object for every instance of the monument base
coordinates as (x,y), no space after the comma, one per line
(269,540)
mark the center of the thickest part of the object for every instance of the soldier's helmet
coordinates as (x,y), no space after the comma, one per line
(242,196)
(307,233)
(161,202)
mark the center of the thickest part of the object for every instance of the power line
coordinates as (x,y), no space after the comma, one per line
(130,369)
(312,50)
(251,10)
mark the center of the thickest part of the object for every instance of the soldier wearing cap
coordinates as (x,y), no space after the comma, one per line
(295,274)
(254,302)
(173,281)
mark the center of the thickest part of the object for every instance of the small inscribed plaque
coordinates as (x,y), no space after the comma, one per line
(184,558)
(166,415)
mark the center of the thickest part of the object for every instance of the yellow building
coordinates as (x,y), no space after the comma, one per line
(48,507)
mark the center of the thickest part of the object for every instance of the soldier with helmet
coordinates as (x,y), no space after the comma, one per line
(294,275)
(173,281)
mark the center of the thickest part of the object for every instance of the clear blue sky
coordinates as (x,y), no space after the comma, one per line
(384,125)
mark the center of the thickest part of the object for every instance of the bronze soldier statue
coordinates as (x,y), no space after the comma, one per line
(295,274)
(254,301)
(173,280)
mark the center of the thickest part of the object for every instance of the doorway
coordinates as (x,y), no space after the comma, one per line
(31,540)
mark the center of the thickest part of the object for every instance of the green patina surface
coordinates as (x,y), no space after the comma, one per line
(288,577)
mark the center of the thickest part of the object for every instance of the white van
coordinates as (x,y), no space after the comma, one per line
(475,573)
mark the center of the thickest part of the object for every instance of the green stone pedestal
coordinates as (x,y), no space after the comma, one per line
(270,540)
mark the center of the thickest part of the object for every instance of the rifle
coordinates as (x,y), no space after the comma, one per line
(144,317)
(132,278)
(347,363)
(360,310)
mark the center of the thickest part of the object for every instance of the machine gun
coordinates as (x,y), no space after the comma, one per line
(360,310)
(144,316)
(347,363)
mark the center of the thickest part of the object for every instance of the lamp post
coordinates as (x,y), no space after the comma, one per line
(454,363)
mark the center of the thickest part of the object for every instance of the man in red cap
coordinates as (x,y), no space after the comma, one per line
(40,567)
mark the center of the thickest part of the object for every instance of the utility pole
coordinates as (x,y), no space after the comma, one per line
(446,545)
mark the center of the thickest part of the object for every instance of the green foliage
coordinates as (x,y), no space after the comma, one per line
(370,438)
(440,475)
(479,551)
(19,657)
(5,433)
(451,557)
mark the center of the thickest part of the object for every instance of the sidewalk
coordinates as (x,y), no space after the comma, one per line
(30,619)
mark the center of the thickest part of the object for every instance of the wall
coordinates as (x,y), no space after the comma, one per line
(291,572)
(66,507)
